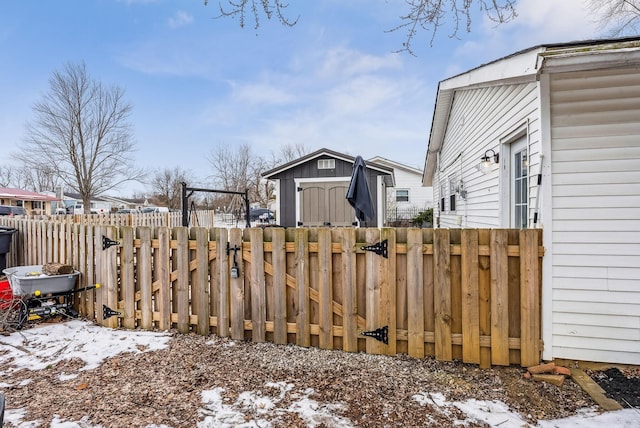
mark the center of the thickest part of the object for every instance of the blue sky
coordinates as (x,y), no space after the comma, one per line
(197,82)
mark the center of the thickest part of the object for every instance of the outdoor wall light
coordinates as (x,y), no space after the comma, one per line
(485,161)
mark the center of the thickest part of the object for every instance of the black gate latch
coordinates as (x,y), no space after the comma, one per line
(379,248)
(381,334)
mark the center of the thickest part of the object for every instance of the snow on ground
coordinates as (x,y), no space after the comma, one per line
(37,348)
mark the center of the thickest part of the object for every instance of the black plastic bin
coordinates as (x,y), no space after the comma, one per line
(6,233)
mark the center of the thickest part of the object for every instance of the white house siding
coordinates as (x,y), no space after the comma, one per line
(481,119)
(419,197)
(595,153)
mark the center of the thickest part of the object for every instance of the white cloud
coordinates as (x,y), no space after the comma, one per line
(262,93)
(180,19)
(341,62)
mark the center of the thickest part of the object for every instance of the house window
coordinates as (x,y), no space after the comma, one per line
(326,163)
(443,195)
(36,205)
(452,193)
(402,195)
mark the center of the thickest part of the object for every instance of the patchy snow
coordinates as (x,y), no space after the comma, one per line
(38,348)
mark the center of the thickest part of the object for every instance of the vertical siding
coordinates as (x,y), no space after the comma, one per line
(479,119)
(288,188)
(595,150)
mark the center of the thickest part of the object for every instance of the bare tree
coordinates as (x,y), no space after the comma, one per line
(242,8)
(620,17)
(288,152)
(80,131)
(8,175)
(166,186)
(236,170)
(427,15)
(38,179)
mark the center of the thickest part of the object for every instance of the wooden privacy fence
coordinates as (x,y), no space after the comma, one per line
(467,294)
(201,218)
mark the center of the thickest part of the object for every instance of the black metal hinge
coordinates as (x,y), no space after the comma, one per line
(381,334)
(107,312)
(106,242)
(380,248)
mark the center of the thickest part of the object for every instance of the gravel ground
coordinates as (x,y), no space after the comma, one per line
(164,387)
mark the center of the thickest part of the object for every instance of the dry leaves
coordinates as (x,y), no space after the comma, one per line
(164,387)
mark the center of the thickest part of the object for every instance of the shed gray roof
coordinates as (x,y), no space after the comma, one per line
(383,169)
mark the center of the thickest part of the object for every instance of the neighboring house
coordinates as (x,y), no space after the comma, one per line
(34,203)
(571,113)
(311,190)
(99,205)
(409,196)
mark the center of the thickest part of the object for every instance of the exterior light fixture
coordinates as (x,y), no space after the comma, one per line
(485,161)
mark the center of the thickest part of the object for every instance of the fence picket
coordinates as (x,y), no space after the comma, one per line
(499,298)
(181,288)
(223,282)
(388,304)
(162,272)
(143,279)
(237,286)
(470,298)
(200,294)
(442,293)
(325,288)
(415,293)
(529,299)
(90,273)
(110,275)
(373,294)
(258,290)
(127,278)
(279,260)
(303,336)
(349,291)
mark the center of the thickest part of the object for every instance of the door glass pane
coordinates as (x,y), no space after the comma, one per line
(521,190)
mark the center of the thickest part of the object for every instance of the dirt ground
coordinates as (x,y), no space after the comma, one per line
(164,387)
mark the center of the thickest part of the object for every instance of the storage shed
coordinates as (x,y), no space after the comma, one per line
(549,137)
(311,190)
